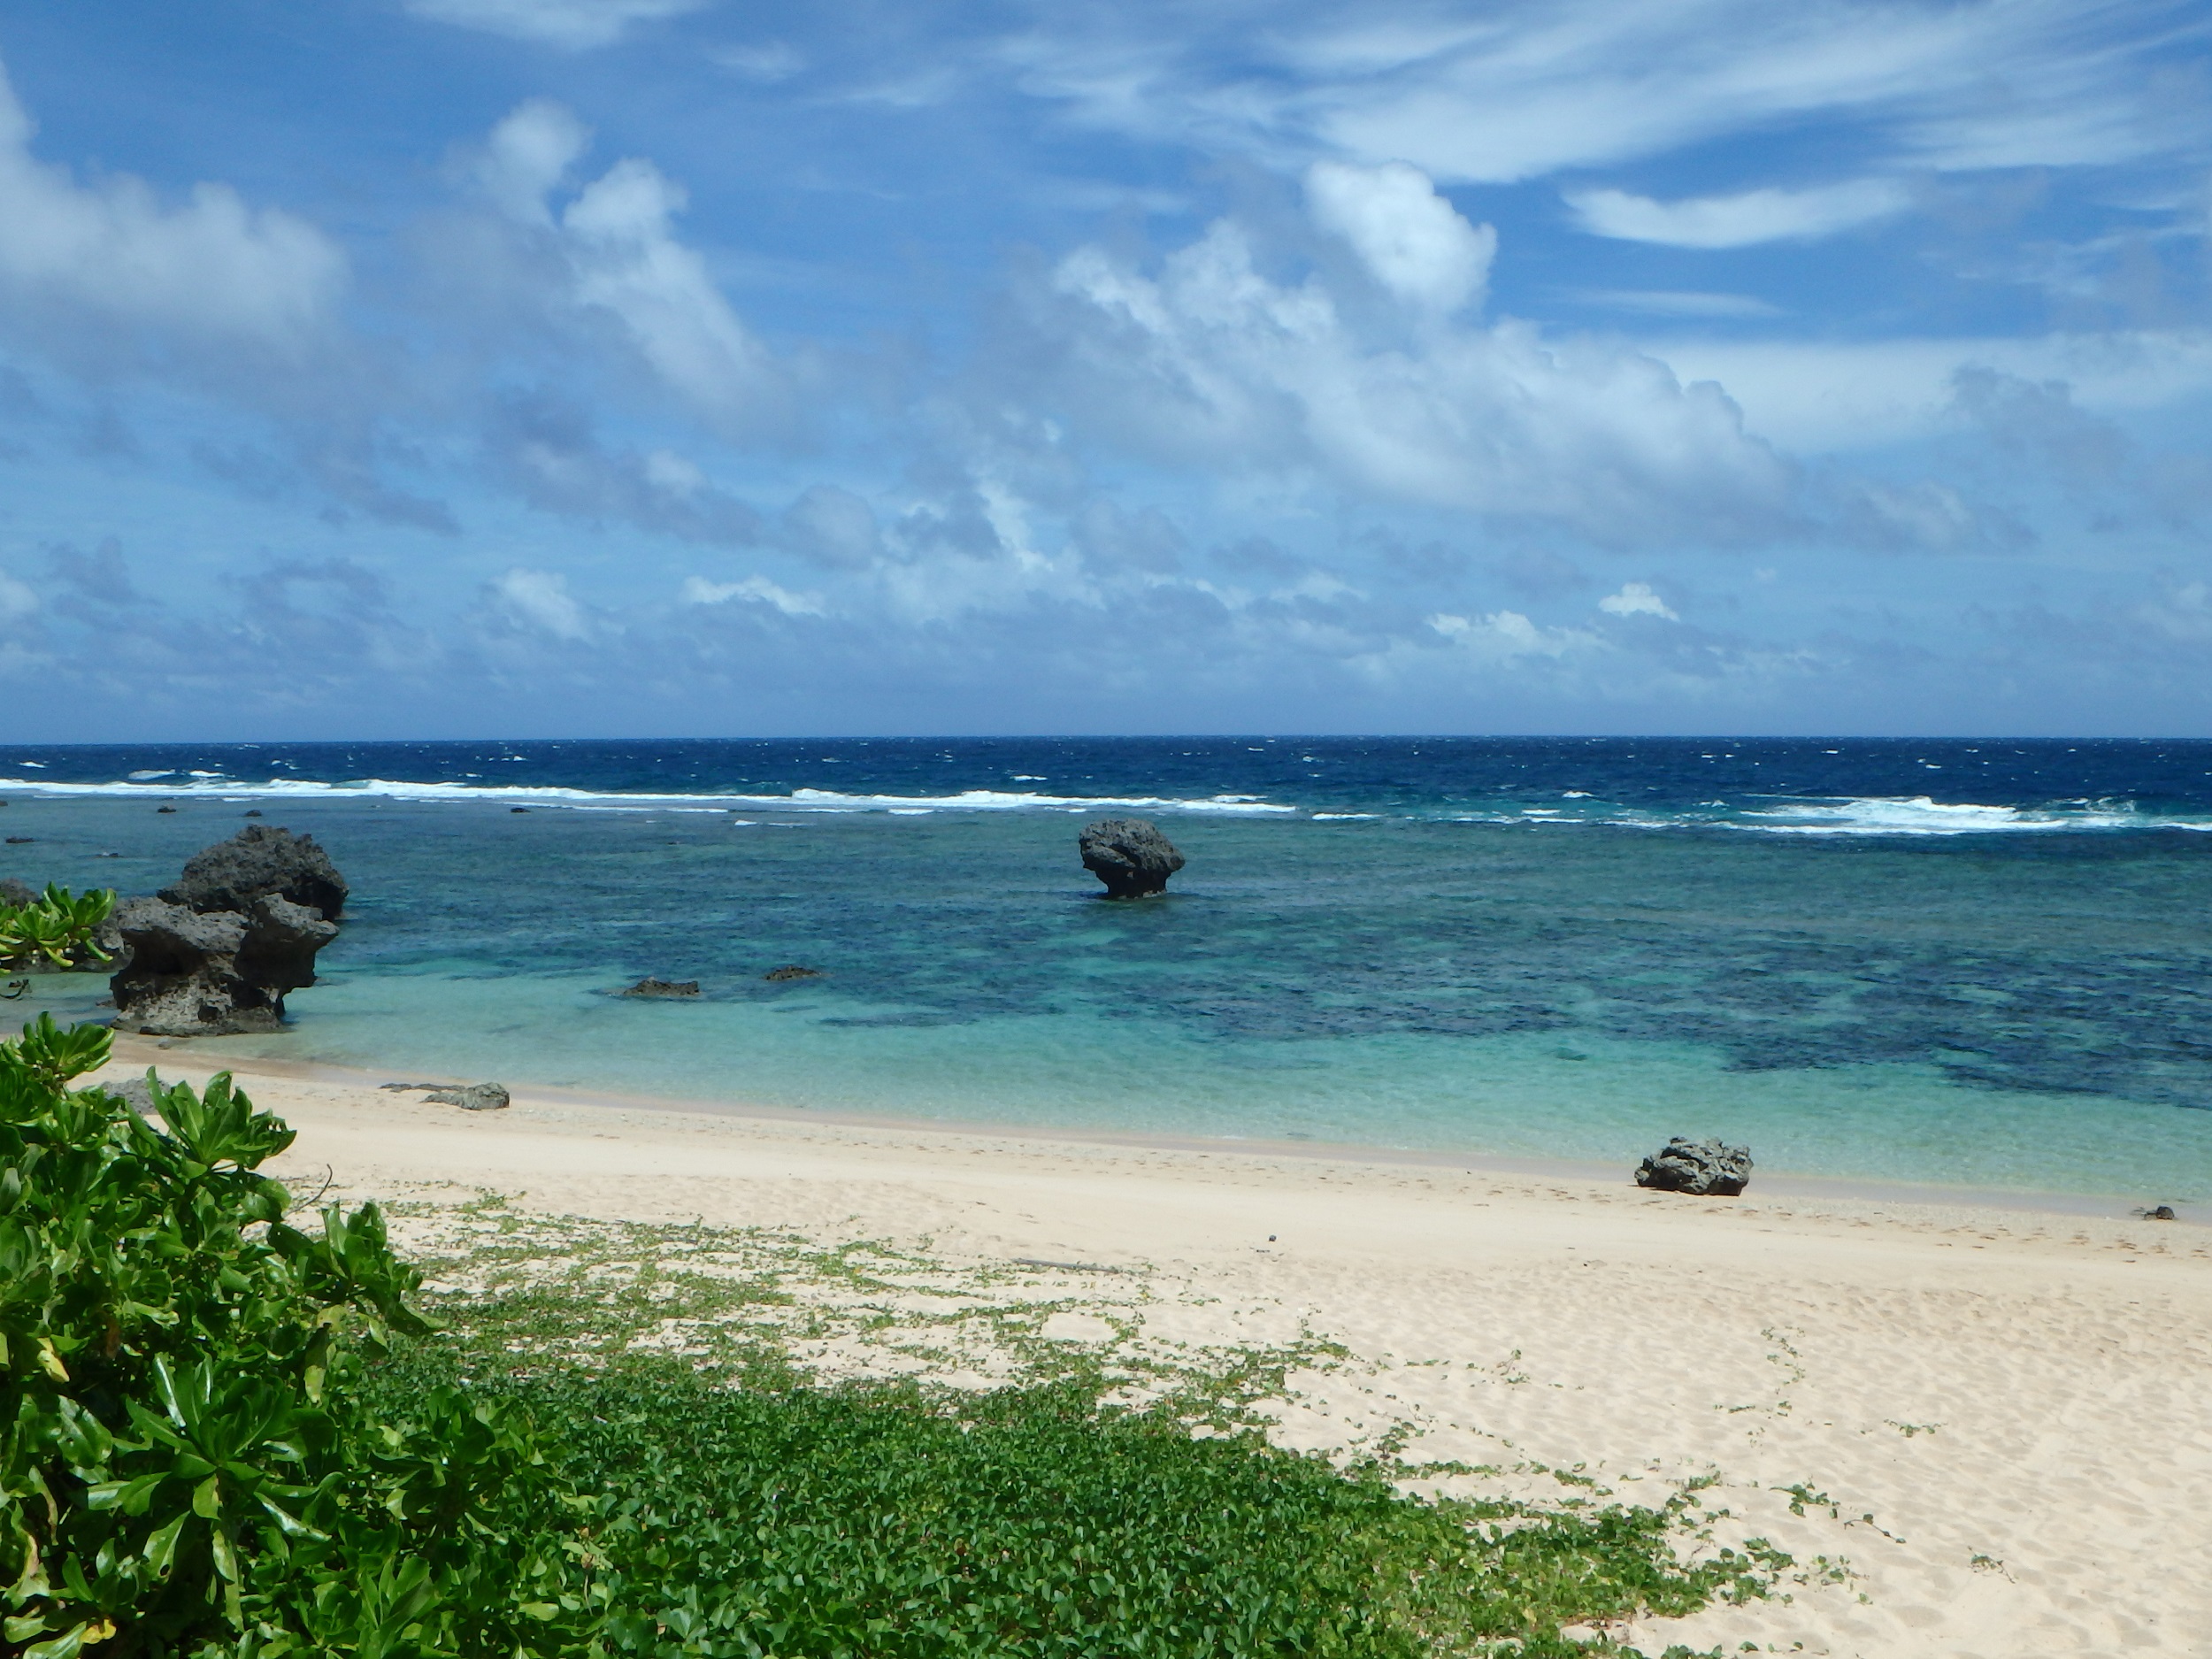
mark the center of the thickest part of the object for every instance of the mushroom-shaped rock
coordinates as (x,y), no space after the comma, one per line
(1699,1167)
(260,861)
(1130,856)
(182,978)
(216,953)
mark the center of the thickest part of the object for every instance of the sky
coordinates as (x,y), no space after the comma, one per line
(450,368)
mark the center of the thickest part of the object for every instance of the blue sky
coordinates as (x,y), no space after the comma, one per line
(395,368)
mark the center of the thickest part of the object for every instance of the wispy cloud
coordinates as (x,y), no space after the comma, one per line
(576,24)
(1741,220)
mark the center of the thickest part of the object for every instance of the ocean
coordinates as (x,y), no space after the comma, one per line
(1961,963)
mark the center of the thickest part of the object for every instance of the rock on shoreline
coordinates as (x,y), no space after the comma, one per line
(218,951)
(1697,1167)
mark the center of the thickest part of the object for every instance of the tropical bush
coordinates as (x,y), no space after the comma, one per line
(226,1437)
(54,927)
(185,1466)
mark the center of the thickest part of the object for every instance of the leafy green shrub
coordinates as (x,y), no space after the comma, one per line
(224,1438)
(185,1467)
(54,927)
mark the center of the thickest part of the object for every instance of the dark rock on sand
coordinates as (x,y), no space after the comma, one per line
(793,972)
(1699,1167)
(472,1097)
(1130,856)
(2160,1212)
(257,862)
(651,987)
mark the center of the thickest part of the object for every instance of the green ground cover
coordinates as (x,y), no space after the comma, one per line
(229,1434)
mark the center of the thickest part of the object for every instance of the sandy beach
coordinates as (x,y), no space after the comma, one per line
(1995,1423)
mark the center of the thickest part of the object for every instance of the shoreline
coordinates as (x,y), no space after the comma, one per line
(1976,1429)
(1815,1189)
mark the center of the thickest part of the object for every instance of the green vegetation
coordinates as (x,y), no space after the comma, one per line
(226,1437)
(53,927)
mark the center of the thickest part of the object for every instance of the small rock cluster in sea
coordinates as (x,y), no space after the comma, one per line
(651,987)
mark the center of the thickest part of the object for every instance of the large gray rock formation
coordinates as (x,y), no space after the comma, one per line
(259,861)
(1130,856)
(217,952)
(1700,1167)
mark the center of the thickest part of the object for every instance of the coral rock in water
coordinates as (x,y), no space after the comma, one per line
(216,953)
(1697,1166)
(257,862)
(649,986)
(1130,856)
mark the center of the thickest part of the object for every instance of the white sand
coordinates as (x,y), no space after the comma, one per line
(2020,1400)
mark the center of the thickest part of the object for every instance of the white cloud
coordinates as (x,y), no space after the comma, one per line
(1636,599)
(540,600)
(1738,221)
(758,589)
(211,267)
(1412,240)
(1822,394)
(1505,634)
(1211,362)
(528,155)
(577,24)
(16,600)
(624,260)
(766,64)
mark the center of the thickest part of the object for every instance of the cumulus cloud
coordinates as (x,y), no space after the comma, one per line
(1636,599)
(1742,220)
(539,600)
(210,268)
(1412,240)
(2038,419)
(1504,635)
(545,449)
(1211,361)
(577,24)
(616,245)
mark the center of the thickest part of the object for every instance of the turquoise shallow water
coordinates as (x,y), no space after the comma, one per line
(1531,955)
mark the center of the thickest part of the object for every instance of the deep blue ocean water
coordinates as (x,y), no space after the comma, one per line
(1964,963)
